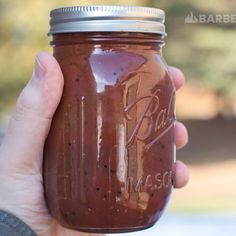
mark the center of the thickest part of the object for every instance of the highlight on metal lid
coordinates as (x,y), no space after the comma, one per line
(107,19)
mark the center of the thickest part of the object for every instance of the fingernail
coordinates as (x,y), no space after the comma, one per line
(39,70)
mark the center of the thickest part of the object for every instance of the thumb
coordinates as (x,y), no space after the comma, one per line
(22,148)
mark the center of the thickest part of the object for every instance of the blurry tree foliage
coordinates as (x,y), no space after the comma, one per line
(206,52)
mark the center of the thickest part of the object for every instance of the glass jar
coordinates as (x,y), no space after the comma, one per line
(109,156)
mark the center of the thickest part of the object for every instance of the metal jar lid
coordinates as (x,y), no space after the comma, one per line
(107,19)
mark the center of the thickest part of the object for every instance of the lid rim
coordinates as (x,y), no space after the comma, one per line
(107,19)
(106,8)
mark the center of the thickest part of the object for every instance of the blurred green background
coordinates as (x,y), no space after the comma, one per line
(207,104)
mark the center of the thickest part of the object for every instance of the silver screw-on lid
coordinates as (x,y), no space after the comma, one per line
(107,19)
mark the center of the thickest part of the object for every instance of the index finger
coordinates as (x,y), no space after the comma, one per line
(177,76)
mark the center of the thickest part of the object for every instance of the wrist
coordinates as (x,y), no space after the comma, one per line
(58,230)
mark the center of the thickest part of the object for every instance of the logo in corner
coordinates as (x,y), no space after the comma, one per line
(191,19)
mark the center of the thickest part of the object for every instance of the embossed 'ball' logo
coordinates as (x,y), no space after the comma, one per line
(157,120)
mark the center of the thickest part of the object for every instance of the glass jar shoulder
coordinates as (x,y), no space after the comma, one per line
(119,65)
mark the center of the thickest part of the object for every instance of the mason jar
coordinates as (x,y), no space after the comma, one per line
(108,158)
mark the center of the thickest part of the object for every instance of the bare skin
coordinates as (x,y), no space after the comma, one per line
(21,153)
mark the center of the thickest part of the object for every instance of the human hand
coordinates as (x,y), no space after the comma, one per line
(21,153)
